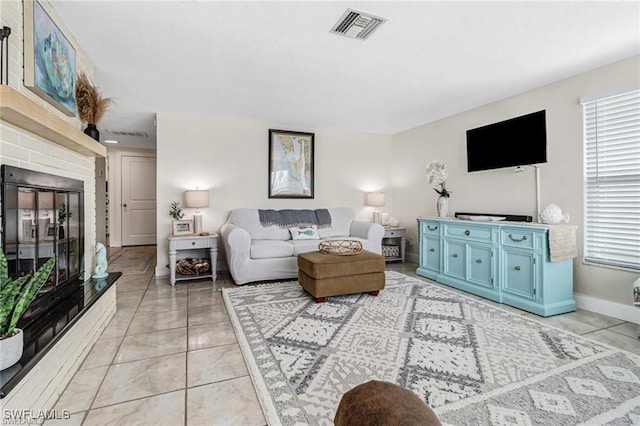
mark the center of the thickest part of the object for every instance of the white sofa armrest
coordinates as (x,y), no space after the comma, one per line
(237,246)
(372,232)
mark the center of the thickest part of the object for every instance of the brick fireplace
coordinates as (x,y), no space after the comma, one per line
(35,138)
(35,135)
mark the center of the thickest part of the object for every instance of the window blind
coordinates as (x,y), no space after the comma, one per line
(612,180)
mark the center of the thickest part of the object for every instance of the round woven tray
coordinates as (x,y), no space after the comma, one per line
(340,247)
(193,266)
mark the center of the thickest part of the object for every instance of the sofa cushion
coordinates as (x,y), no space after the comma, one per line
(249,220)
(304,246)
(264,249)
(341,218)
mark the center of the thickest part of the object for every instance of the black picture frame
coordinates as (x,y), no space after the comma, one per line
(291,164)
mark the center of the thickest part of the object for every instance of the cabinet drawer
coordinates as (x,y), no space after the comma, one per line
(394,233)
(468,232)
(429,227)
(514,237)
(193,244)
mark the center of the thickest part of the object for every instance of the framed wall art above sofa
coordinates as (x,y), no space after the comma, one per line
(291,163)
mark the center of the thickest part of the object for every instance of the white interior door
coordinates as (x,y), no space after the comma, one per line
(138,200)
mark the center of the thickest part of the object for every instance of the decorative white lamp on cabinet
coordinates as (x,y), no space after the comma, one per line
(375,199)
(196,199)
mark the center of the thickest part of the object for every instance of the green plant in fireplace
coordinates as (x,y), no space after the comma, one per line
(17,295)
(63,214)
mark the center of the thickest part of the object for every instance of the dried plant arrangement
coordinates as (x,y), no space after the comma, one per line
(91,105)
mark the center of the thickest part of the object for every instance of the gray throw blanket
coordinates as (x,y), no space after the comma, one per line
(289,218)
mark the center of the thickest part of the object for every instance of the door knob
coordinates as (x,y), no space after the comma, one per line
(455,254)
(479,261)
(517,268)
(124,205)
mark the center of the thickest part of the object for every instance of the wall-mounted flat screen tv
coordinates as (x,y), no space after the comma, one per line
(516,142)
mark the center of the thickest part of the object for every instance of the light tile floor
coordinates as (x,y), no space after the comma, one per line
(170,356)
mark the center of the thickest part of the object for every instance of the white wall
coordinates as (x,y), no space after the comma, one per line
(503,191)
(230,158)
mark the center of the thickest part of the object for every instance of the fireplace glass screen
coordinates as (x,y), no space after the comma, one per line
(42,216)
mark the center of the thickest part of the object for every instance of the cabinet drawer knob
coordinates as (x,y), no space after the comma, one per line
(193,243)
(524,238)
(479,261)
(431,229)
(467,232)
(432,249)
(517,268)
(455,254)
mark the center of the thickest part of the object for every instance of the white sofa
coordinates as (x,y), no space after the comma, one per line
(256,252)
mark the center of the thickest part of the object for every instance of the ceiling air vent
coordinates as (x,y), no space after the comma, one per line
(128,133)
(356,24)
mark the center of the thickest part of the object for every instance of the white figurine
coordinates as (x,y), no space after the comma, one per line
(552,215)
(101,262)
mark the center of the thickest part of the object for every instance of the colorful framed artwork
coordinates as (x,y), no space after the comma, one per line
(49,59)
(291,163)
(182,227)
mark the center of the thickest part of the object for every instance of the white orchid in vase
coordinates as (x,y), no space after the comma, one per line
(437,175)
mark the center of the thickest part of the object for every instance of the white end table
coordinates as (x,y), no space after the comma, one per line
(397,237)
(188,244)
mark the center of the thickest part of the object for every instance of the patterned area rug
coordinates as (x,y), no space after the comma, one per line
(475,364)
(132,260)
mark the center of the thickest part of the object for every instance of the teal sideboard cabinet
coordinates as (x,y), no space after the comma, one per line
(507,262)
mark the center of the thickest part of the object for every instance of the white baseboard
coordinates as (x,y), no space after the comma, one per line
(162,271)
(604,307)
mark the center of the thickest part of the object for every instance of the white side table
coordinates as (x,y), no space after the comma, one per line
(187,245)
(395,237)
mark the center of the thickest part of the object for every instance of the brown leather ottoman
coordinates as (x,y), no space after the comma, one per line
(323,275)
(377,403)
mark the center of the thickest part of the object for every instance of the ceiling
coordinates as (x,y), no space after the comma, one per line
(277,62)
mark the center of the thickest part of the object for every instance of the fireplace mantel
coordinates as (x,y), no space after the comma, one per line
(21,111)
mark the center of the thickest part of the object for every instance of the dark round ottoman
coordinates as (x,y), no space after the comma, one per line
(377,403)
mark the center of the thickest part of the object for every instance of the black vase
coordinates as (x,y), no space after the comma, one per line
(92,131)
(61,232)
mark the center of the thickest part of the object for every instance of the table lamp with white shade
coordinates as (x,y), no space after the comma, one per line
(375,199)
(196,199)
